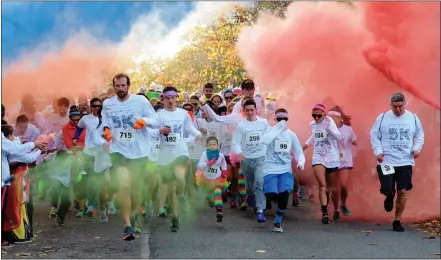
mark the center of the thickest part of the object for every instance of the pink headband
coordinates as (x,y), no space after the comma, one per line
(334,113)
(169,93)
(319,107)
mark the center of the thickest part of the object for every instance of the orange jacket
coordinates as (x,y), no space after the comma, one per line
(68,134)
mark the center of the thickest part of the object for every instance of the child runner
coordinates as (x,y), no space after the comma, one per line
(213,174)
(279,180)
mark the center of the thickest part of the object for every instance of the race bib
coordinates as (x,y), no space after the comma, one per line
(212,172)
(157,147)
(387,169)
(190,148)
(212,131)
(342,155)
(320,135)
(282,146)
(252,138)
(172,139)
(126,136)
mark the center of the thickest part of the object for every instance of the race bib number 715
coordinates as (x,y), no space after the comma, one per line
(126,136)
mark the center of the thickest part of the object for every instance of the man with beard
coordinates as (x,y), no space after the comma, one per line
(125,118)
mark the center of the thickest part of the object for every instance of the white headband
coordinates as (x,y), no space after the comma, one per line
(334,113)
(282,114)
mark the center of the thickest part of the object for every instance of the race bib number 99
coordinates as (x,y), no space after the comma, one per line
(126,136)
(172,139)
(253,138)
(320,135)
(282,146)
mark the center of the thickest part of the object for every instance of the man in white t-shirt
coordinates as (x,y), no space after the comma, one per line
(125,118)
(397,138)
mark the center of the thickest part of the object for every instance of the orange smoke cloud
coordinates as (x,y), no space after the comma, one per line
(317,55)
(81,66)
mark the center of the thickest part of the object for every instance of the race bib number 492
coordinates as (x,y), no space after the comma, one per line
(172,139)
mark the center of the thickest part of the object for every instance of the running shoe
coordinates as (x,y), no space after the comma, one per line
(345,210)
(325,219)
(59,221)
(162,213)
(53,213)
(389,203)
(138,230)
(183,203)
(103,216)
(149,212)
(128,234)
(397,227)
(111,208)
(91,211)
(80,214)
(337,216)
(175,224)
(277,228)
(233,204)
(243,205)
(260,217)
(219,217)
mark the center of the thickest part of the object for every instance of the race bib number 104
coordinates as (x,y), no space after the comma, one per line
(320,135)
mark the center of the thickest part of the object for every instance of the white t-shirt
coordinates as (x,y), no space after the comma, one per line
(325,136)
(344,146)
(397,137)
(280,145)
(174,145)
(215,171)
(89,123)
(31,133)
(120,117)
(247,138)
(196,148)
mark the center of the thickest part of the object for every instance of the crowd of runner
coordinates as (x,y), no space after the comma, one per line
(160,146)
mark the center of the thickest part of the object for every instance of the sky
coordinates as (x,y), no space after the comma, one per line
(132,25)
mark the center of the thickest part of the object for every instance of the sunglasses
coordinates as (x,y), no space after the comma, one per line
(188,108)
(75,120)
(317,116)
(281,118)
(228,98)
(195,104)
(96,106)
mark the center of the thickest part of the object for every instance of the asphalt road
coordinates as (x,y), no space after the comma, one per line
(239,236)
